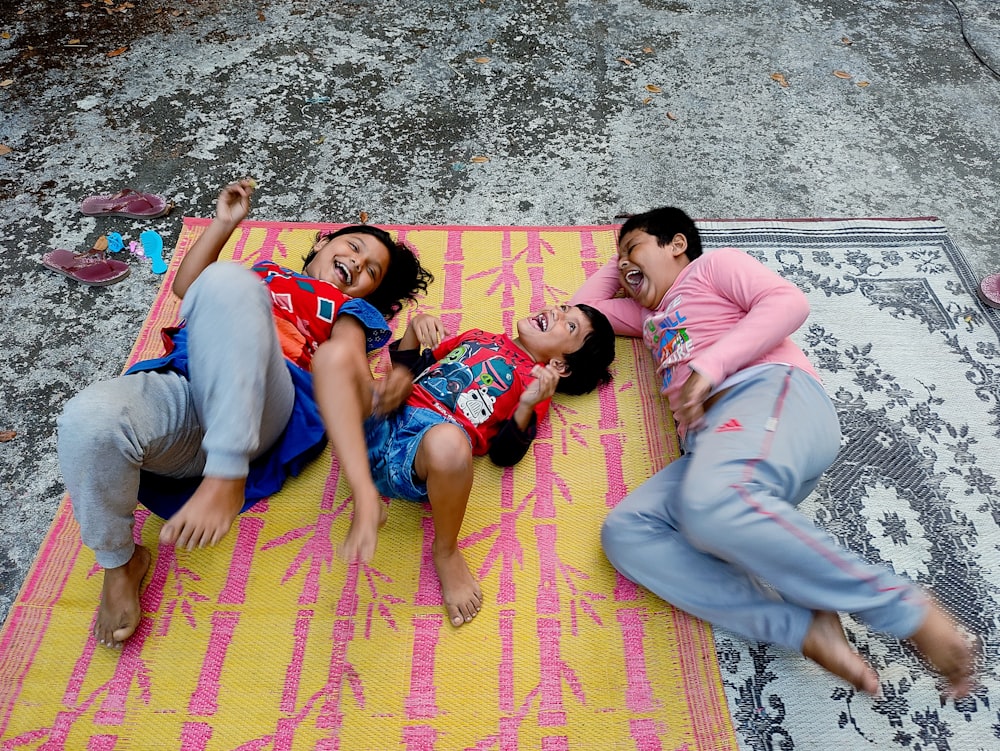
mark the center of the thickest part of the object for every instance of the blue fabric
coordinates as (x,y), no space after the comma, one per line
(393,442)
(377,332)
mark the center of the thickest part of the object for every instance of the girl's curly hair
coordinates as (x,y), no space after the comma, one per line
(404,279)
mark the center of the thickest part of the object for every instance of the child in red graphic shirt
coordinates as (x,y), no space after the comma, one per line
(474,393)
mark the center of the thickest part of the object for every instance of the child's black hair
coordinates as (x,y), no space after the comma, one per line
(663,224)
(404,279)
(588,366)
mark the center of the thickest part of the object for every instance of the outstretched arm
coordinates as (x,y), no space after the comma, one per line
(343,384)
(231,208)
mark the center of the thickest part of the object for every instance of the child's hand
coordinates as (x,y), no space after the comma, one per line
(233,203)
(692,399)
(428,330)
(543,387)
(391,391)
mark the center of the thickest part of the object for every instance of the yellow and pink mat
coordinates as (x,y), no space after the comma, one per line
(269,642)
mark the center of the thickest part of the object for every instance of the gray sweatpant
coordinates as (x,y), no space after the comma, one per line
(706,530)
(232,408)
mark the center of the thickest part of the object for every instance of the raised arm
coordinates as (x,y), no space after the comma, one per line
(603,291)
(231,208)
(424,331)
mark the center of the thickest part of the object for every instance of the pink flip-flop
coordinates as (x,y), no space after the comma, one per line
(128,203)
(92,267)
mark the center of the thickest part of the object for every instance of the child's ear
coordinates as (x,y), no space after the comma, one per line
(560,365)
(679,244)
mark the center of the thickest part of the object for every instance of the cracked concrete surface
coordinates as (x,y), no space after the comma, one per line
(338,108)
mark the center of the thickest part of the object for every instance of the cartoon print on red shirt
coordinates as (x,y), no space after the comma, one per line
(469,379)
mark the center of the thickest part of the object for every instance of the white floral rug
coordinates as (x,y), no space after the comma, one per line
(911,358)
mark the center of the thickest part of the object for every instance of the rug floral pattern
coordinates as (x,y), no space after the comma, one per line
(911,359)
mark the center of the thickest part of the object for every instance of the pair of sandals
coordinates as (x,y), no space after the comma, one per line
(93,267)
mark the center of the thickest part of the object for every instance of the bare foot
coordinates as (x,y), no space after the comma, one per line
(948,649)
(362,537)
(208,514)
(462,596)
(826,645)
(118,614)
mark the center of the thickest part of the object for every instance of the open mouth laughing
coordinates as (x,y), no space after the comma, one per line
(343,272)
(633,280)
(540,322)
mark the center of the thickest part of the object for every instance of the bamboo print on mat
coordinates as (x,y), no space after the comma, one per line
(268,642)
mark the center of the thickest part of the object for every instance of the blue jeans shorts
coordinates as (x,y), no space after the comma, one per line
(392,449)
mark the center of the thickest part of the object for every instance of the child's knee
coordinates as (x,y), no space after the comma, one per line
(706,508)
(446,450)
(223,283)
(340,358)
(615,533)
(89,414)
(223,275)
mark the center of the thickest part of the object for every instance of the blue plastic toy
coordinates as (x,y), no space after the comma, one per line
(152,246)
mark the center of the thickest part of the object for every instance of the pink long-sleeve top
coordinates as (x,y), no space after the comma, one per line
(726,312)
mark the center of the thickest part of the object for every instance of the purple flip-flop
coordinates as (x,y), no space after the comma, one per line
(128,203)
(92,267)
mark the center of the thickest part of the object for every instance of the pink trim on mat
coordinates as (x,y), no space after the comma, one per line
(710,718)
(54,564)
(204,222)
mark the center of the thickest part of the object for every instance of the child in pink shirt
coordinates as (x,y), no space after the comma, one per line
(758,430)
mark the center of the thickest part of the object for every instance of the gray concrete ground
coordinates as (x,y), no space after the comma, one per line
(583,108)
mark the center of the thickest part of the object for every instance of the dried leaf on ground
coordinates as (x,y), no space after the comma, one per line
(6,82)
(647,50)
(653,88)
(864,84)
(480,60)
(260,16)
(364,217)
(479,159)
(4,35)
(780,78)
(647,100)
(7,435)
(117,52)
(671,116)
(5,150)
(847,40)
(842,74)
(625,60)
(73,41)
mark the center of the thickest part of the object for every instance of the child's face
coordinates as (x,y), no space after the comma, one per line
(553,333)
(647,269)
(354,263)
